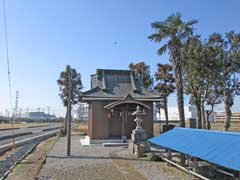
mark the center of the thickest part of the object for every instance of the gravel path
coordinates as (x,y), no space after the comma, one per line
(152,170)
(96,162)
(86,162)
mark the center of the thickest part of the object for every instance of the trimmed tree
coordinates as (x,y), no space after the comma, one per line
(70,86)
(165,84)
(143,71)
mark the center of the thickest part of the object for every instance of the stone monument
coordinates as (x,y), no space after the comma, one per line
(138,144)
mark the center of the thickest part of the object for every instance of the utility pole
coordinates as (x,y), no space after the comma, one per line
(69,114)
(14,115)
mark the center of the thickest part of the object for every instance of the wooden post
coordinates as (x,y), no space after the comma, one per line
(195,164)
(238,176)
(169,154)
(123,124)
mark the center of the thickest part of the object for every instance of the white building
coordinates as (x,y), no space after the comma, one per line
(81,112)
(173,115)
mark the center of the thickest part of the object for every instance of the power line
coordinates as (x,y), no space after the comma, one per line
(8,69)
(7,56)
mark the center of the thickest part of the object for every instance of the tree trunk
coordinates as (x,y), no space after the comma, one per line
(208,122)
(208,116)
(203,116)
(199,116)
(159,112)
(228,112)
(166,110)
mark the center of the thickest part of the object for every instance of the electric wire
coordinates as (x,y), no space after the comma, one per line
(8,68)
(7,56)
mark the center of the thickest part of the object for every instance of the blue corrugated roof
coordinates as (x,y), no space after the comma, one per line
(219,147)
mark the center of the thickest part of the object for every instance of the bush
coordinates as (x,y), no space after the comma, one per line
(153,157)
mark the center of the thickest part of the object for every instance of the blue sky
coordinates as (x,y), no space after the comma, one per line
(46,35)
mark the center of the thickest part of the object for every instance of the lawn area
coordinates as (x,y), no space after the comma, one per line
(20,125)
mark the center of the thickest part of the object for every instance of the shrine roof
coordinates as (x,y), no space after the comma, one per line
(118,84)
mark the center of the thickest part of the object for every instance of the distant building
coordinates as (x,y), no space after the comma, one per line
(38,115)
(81,114)
(173,115)
(220,116)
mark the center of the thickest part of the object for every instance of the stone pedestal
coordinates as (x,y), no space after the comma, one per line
(139,150)
(138,145)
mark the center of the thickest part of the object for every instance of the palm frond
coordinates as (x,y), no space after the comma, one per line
(162,49)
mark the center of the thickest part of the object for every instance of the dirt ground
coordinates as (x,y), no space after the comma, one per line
(20,125)
(80,129)
(30,166)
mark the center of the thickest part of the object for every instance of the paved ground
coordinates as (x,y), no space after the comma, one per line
(96,162)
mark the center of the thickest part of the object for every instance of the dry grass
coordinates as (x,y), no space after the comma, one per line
(235,126)
(20,125)
(29,166)
(80,129)
(156,129)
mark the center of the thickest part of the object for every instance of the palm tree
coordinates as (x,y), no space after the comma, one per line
(165,84)
(173,32)
(70,86)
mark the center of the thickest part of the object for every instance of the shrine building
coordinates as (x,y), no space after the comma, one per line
(113,97)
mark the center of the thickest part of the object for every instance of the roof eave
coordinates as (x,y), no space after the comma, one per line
(119,98)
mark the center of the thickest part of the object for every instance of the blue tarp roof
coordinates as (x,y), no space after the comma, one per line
(218,147)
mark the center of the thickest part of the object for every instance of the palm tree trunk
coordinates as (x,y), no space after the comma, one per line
(180,100)
(228,112)
(166,110)
(175,52)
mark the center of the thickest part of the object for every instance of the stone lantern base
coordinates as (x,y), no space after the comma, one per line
(138,145)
